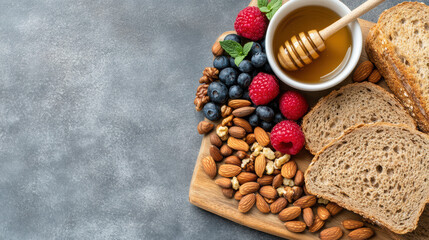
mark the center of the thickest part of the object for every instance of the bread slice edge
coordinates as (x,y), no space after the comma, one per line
(383,56)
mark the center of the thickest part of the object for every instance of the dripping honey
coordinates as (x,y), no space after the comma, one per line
(338,46)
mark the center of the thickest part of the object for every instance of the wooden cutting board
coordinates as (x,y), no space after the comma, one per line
(204,193)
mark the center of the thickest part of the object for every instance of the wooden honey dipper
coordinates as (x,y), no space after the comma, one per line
(304,48)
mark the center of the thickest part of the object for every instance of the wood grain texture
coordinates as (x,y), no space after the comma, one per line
(204,193)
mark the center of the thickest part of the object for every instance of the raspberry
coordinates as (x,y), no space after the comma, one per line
(293,105)
(287,137)
(263,89)
(251,23)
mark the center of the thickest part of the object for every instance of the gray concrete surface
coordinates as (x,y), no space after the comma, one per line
(98,132)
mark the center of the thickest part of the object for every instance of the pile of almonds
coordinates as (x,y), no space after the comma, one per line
(251,172)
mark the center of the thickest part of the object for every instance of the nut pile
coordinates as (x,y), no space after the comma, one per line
(254,174)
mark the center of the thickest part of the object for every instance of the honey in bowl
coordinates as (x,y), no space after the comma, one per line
(338,47)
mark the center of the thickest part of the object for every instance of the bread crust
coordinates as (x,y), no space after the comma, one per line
(368,216)
(342,89)
(400,79)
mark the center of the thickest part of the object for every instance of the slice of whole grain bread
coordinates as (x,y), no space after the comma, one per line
(399,46)
(351,105)
(379,170)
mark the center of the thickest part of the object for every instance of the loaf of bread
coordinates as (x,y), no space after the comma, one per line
(351,105)
(399,46)
(379,170)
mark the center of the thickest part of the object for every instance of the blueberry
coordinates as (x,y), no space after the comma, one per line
(278,118)
(235,92)
(267,126)
(256,48)
(233,37)
(217,92)
(245,66)
(232,62)
(228,76)
(263,45)
(265,113)
(211,111)
(254,120)
(244,80)
(259,59)
(267,68)
(246,95)
(221,62)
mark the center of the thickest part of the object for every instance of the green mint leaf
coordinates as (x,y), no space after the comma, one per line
(246,48)
(239,59)
(275,5)
(232,48)
(239,49)
(262,3)
(264,9)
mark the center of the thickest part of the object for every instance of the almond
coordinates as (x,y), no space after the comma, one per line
(215,140)
(352,224)
(225,150)
(241,154)
(307,214)
(224,182)
(289,194)
(363,71)
(289,213)
(375,76)
(250,139)
(243,111)
(234,160)
(278,205)
(243,123)
(204,127)
(245,177)
(261,204)
(229,170)
(238,196)
(237,144)
(215,153)
(289,169)
(323,213)
(228,192)
(249,187)
(333,208)
(305,202)
(332,233)
(260,163)
(265,180)
(268,192)
(217,49)
(299,178)
(317,224)
(361,233)
(239,103)
(261,136)
(295,226)
(237,132)
(209,166)
(246,203)
(277,181)
(297,192)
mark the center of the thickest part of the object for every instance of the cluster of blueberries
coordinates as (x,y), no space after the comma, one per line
(234,83)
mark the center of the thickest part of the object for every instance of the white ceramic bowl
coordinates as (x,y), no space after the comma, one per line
(341,10)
